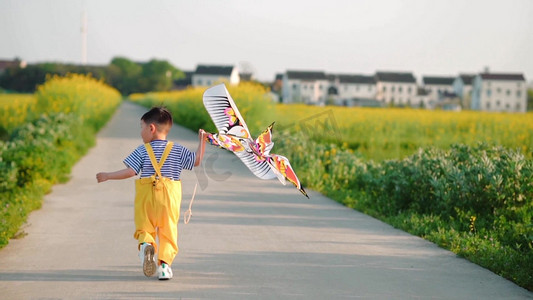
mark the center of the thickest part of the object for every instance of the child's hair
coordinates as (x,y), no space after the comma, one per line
(159,116)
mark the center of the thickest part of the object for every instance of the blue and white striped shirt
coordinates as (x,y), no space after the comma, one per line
(179,158)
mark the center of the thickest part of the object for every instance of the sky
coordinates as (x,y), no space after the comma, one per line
(428,38)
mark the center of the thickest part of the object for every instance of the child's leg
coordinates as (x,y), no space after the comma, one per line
(168,246)
(145,237)
(145,231)
(168,223)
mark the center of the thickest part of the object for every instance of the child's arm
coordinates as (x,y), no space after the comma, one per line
(121,174)
(201,147)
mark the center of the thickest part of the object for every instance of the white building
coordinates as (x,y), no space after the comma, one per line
(208,75)
(398,89)
(353,89)
(422,97)
(310,87)
(462,87)
(437,87)
(499,92)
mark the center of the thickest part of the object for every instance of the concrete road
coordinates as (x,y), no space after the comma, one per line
(247,239)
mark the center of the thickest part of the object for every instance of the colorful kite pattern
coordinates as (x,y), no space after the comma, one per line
(233,135)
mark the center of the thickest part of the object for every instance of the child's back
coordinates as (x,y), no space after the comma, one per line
(158,190)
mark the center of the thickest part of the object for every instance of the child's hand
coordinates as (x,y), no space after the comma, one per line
(202,134)
(101,177)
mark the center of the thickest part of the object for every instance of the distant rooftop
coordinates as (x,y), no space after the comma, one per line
(467,78)
(306,75)
(438,80)
(405,77)
(345,78)
(331,77)
(214,70)
(5,64)
(496,76)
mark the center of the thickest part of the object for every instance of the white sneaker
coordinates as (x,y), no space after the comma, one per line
(146,254)
(164,271)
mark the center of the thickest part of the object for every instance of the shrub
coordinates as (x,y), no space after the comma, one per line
(41,153)
(475,201)
(90,100)
(38,155)
(15,110)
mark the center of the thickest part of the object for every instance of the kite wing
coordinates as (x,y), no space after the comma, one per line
(233,130)
(224,112)
(260,167)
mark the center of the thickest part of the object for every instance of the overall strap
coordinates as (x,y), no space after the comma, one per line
(157,166)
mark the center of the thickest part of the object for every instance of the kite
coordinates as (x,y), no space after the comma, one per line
(233,135)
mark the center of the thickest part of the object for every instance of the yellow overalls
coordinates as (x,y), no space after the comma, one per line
(157,207)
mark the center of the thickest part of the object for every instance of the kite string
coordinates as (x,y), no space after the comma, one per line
(188,214)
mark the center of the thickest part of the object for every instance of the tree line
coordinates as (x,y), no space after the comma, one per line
(122,73)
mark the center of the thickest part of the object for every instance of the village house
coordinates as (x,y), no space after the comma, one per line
(422,97)
(448,101)
(499,92)
(7,64)
(437,87)
(207,75)
(394,88)
(308,87)
(462,87)
(277,84)
(352,90)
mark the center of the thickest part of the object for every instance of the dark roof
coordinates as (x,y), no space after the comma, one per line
(494,76)
(279,76)
(395,77)
(306,75)
(344,78)
(438,80)
(467,79)
(214,70)
(4,64)
(331,77)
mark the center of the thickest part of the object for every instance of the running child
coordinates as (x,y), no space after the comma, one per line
(158,190)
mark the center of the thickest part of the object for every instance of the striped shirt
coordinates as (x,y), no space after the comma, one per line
(179,158)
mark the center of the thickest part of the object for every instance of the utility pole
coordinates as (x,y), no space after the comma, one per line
(83,38)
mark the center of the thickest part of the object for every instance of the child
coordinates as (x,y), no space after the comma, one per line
(158,191)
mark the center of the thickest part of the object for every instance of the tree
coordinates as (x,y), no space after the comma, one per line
(124,75)
(23,79)
(158,75)
(27,79)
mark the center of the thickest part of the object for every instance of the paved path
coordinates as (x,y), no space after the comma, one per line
(247,239)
